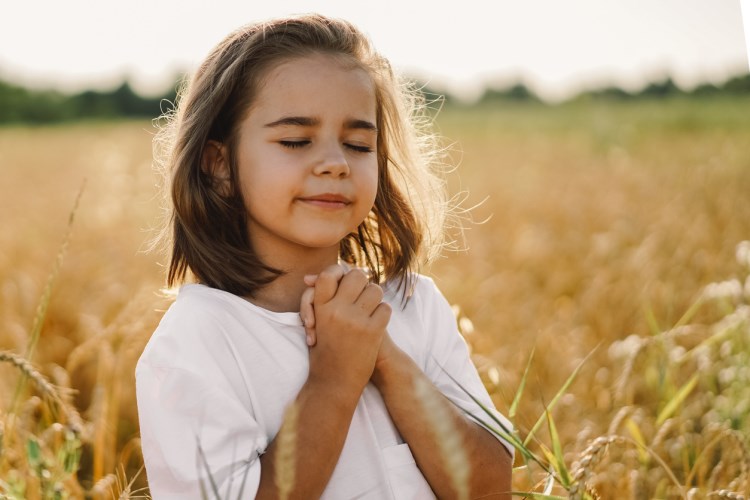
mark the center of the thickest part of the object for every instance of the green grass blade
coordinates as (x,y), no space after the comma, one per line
(690,313)
(678,398)
(521,387)
(211,480)
(511,438)
(33,452)
(557,398)
(505,433)
(561,468)
(41,310)
(535,496)
(653,324)
(502,432)
(479,403)
(248,464)
(638,436)
(549,484)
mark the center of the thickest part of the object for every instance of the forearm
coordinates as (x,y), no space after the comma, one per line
(489,462)
(325,413)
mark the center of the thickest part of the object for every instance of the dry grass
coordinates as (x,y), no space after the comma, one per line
(604,225)
(449,438)
(286,452)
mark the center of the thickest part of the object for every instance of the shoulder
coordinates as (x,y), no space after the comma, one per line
(418,292)
(196,306)
(186,327)
(421,307)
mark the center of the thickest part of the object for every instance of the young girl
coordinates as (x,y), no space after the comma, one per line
(294,165)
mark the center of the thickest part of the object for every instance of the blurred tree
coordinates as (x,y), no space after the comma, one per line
(738,84)
(517,92)
(667,88)
(21,105)
(705,90)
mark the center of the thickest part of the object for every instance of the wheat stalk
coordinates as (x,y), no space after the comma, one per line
(104,488)
(726,494)
(741,444)
(590,458)
(663,431)
(621,414)
(448,437)
(48,390)
(285,462)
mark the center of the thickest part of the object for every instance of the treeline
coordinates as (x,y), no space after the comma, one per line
(739,85)
(21,105)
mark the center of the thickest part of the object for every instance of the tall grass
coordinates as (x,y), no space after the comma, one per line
(681,426)
(603,226)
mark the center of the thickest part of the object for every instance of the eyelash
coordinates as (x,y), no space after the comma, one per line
(301,144)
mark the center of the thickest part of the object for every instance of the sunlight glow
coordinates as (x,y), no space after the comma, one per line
(557,48)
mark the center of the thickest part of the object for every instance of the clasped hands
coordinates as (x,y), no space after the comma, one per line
(345,322)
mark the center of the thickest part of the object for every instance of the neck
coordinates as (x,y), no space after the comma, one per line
(284,293)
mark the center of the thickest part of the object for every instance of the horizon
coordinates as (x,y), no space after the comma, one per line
(556,51)
(488,87)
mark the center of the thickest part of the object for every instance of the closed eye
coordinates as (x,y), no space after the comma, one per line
(294,144)
(359,149)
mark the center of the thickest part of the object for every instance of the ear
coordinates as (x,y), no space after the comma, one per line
(215,164)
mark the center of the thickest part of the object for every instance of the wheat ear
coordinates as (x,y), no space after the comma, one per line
(448,436)
(44,386)
(285,461)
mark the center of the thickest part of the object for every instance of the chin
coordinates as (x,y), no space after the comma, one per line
(322,239)
(319,243)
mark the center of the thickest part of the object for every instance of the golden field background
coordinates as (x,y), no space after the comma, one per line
(597,226)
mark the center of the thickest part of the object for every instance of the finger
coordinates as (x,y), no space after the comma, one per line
(370,297)
(381,315)
(306,307)
(352,285)
(310,279)
(307,314)
(327,283)
(311,337)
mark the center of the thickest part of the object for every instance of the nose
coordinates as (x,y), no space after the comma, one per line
(332,162)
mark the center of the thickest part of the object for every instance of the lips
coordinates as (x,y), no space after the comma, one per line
(327,200)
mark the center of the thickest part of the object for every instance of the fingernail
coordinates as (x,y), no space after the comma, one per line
(309,340)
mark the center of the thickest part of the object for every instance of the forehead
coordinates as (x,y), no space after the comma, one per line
(316,85)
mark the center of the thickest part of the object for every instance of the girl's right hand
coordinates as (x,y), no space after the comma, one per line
(306,311)
(350,322)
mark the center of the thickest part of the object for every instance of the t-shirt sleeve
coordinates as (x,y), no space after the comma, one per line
(190,427)
(449,365)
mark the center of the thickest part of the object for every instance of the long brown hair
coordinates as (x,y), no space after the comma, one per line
(207,226)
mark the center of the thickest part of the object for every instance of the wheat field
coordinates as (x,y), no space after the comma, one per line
(604,237)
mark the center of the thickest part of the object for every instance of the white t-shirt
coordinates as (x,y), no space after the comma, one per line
(218,373)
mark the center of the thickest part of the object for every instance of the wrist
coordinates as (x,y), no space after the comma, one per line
(338,393)
(392,365)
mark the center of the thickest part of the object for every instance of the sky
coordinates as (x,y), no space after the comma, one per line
(556,47)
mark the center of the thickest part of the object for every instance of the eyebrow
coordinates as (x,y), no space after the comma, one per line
(306,121)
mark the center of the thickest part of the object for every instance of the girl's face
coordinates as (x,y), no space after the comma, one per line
(306,156)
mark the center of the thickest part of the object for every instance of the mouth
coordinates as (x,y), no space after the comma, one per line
(327,200)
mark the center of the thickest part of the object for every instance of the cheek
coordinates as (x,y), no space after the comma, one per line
(263,187)
(369,181)
(264,174)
